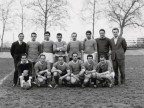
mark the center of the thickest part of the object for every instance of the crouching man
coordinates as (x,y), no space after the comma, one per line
(25,72)
(42,70)
(77,70)
(90,71)
(61,71)
(104,72)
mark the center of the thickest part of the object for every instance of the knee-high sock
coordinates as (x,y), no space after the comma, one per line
(94,80)
(56,79)
(49,80)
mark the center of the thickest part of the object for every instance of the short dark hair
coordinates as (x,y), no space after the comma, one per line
(42,55)
(47,32)
(20,34)
(89,56)
(60,57)
(74,33)
(102,30)
(102,56)
(59,34)
(33,33)
(74,53)
(24,55)
(88,31)
(115,29)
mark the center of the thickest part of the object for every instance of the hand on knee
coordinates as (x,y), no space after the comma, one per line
(93,75)
(55,74)
(86,81)
(68,78)
(48,75)
(81,74)
(73,81)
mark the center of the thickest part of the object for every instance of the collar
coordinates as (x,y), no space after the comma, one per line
(74,62)
(103,64)
(46,40)
(102,38)
(116,37)
(40,63)
(62,64)
(89,63)
(20,42)
(88,39)
(33,41)
(59,41)
(25,63)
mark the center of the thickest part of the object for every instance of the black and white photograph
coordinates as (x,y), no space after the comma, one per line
(71,53)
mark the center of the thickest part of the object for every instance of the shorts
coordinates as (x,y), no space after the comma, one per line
(89,75)
(108,76)
(49,57)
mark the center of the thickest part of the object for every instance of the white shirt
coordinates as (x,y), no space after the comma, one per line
(20,42)
(115,39)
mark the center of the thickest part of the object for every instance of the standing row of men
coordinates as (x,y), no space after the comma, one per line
(53,50)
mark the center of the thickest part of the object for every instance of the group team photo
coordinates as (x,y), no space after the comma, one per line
(71,53)
(90,63)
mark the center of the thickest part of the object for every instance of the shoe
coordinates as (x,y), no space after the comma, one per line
(56,86)
(110,85)
(33,82)
(83,86)
(60,82)
(95,86)
(49,85)
(14,85)
(38,84)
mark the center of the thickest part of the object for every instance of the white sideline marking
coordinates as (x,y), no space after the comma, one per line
(2,80)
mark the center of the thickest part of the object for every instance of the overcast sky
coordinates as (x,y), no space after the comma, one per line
(74,25)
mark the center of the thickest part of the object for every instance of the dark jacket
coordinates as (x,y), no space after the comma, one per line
(118,49)
(27,66)
(17,50)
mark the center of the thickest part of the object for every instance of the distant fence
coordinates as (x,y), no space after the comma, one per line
(6,49)
(136,46)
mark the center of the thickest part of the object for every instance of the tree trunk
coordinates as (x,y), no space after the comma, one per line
(93,20)
(121,31)
(2,36)
(22,20)
(2,40)
(45,25)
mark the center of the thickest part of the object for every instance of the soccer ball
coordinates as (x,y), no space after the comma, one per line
(26,85)
(40,81)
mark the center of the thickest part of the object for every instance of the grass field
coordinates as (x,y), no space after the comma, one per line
(130,95)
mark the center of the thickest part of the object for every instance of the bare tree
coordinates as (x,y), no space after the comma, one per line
(49,12)
(90,13)
(5,10)
(22,15)
(126,13)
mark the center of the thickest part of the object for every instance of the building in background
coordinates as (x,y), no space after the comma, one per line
(131,43)
(140,42)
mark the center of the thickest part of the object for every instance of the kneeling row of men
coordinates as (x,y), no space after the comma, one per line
(75,72)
